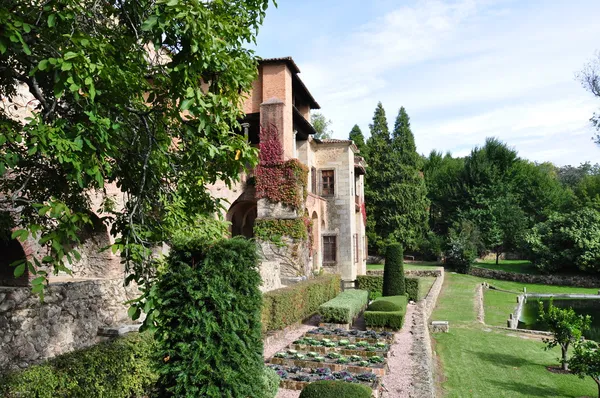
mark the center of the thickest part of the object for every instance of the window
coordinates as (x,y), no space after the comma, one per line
(329,249)
(313,182)
(327,179)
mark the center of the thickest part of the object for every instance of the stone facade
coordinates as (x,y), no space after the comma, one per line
(280,100)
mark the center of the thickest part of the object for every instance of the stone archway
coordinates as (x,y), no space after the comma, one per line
(242,216)
(96,261)
(11,251)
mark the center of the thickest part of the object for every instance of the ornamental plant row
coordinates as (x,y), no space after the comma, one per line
(345,307)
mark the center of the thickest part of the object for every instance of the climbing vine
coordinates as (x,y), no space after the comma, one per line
(274,229)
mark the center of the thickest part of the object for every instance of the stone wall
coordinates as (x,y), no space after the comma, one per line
(435,272)
(559,280)
(68,319)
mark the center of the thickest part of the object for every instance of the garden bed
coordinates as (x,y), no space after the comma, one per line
(370,336)
(333,360)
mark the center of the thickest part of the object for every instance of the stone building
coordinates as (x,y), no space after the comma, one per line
(335,191)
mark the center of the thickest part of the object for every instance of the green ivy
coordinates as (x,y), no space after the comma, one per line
(273,230)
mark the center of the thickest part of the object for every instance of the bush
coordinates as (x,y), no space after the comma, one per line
(412,288)
(374,284)
(335,389)
(345,307)
(271,383)
(284,307)
(383,305)
(207,323)
(389,319)
(121,368)
(463,241)
(393,271)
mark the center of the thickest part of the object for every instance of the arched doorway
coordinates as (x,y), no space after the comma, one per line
(242,216)
(11,251)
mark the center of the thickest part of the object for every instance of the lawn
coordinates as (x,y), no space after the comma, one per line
(480,361)
(516,266)
(425,285)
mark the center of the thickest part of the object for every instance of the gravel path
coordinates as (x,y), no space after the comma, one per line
(401,363)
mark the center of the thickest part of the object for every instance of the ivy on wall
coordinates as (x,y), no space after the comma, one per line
(277,180)
(274,229)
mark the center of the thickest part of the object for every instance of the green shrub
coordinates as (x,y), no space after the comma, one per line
(345,307)
(374,284)
(335,389)
(271,383)
(208,328)
(412,288)
(393,271)
(389,319)
(284,307)
(121,368)
(383,305)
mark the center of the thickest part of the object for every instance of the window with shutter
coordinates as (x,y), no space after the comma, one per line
(328,183)
(329,249)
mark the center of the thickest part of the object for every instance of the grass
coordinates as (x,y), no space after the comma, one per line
(483,362)
(425,285)
(418,265)
(516,266)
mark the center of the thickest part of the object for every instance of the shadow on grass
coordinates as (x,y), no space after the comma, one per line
(527,390)
(501,359)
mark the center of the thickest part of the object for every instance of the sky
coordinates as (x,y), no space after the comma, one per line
(464,70)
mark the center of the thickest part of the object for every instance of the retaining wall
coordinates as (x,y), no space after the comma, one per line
(558,280)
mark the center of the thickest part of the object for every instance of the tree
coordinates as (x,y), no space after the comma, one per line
(321,125)
(119,99)
(590,79)
(586,361)
(357,136)
(464,241)
(566,326)
(394,283)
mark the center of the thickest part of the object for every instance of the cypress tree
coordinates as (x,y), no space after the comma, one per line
(357,136)
(407,187)
(393,271)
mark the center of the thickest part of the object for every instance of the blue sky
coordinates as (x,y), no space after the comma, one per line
(464,70)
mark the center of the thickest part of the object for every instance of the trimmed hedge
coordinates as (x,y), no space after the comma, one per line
(271,382)
(120,368)
(345,307)
(286,306)
(383,305)
(389,319)
(393,271)
(335,389)
(374,284)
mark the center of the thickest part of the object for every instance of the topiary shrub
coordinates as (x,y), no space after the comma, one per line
(271,382)
(383,305)
(387,319)
(412,288)
(393,271)
(335,389)
(374,284)
(345,307)
(121,368)
(207,320)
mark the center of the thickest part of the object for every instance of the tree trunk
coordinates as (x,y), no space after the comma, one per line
(497,257)
(565,364)
(598,384)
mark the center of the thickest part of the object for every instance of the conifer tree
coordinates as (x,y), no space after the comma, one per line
(407,185)
(357,136)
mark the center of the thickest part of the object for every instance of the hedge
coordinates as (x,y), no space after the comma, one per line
(345,307)
(121,368)
(389,319)
(271,382)
(374,284)
(286,306)
(393,271)
(335,389)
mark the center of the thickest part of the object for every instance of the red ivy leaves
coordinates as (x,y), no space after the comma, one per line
(271,150)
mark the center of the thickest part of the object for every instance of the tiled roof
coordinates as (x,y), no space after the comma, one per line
(288,60)
(336,141)
(298,83)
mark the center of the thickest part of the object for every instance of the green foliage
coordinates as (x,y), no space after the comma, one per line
(396,194)
(378,316)
(121,368)
(590,79)
(275,229)
(283,307)
(393,271)
(345,307)
(374,285)
(321,125)
(566,325)
(335,389)
(116,84)
(271,382)
(462,247)
(357,136)
(586,361)
(567,242)
(207,323)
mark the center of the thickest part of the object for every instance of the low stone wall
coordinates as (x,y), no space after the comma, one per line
(559,280)
(68,319)
(413,272)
